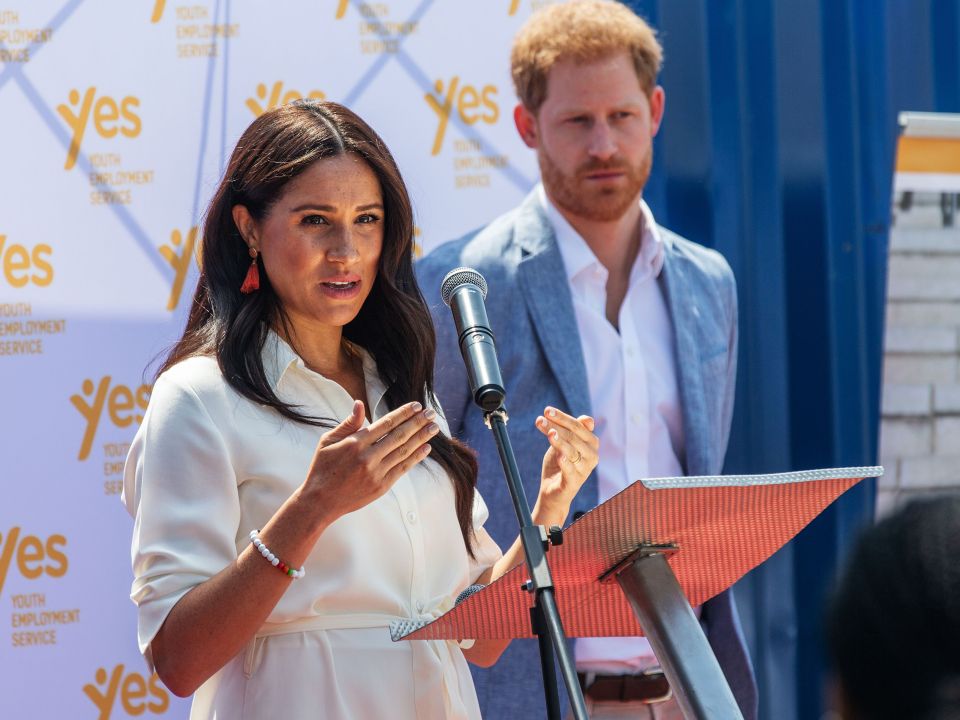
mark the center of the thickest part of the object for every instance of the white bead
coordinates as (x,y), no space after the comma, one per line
(258,543)
(264,551)
(253,534)
(275,561)
(271,557)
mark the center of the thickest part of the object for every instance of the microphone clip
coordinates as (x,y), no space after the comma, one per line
(500,413)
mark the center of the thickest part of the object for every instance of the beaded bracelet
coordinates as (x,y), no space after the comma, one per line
(273,559)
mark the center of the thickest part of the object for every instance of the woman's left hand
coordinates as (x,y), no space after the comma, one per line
(571,457)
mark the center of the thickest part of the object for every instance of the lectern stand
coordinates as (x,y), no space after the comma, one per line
(638,562)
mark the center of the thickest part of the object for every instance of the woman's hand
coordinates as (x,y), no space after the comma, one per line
(571,457)
(355,465)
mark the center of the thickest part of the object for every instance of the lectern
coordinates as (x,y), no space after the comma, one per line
(637,563)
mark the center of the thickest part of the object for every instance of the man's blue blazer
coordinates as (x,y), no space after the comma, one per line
(531,314)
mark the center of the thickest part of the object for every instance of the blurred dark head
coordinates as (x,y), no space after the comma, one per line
(893,624)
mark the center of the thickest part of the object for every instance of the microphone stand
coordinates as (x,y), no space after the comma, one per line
(545,617)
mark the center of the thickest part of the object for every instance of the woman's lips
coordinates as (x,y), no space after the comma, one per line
(340,288)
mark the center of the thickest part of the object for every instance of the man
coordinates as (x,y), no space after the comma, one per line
(597,310)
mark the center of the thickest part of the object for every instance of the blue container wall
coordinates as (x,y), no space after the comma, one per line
(777,149)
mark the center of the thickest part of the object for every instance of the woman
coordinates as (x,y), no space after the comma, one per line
(293,486)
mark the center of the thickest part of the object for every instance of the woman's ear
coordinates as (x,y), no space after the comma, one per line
(246,225)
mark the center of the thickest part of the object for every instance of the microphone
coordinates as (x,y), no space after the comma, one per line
(463,290)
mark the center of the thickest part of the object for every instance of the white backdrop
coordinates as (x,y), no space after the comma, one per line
(116,119)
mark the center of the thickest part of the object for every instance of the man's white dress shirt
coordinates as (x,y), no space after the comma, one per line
(634,395)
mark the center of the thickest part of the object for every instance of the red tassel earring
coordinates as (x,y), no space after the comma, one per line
(251,282)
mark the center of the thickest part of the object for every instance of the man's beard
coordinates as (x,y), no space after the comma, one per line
(575,195)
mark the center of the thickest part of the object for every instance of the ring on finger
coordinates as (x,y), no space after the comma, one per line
(577,459)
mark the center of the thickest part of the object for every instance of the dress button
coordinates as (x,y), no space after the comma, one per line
(412,517)
(420,607)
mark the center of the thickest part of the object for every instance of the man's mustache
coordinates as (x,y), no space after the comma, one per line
(604,166)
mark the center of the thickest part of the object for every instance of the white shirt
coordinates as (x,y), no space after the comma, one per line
(633,387)
(207,466)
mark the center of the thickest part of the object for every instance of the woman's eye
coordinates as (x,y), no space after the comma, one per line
(314,220)
(368,218)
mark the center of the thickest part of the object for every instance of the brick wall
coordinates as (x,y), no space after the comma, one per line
(920,424)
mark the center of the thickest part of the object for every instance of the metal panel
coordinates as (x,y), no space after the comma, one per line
(777,149)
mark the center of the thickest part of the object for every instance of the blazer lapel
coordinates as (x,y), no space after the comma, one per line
(543,283)
(677,291)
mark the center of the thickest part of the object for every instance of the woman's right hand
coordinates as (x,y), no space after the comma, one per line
(354,465)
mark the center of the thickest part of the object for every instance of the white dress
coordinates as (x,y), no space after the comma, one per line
(207,466)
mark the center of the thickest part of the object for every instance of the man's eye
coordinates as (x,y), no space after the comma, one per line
(314,220)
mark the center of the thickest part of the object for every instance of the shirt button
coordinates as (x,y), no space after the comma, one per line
(635,419)
(412,517)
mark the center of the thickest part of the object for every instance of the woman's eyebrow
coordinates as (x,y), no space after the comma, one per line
(313,206)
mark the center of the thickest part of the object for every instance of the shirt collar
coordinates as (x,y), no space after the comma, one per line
(279,359)
(577,255)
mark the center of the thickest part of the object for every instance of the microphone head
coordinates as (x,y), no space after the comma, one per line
(461,276)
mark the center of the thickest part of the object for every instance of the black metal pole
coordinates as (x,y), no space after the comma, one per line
(678,640)
(551,692)
(534,543)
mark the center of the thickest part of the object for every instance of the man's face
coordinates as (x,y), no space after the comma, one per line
(594,136)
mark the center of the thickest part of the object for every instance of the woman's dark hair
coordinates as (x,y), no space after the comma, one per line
(893,626)
(393,325)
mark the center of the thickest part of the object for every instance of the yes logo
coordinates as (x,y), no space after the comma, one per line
(106,113)
(17,262)
(180,260)
(158,8)
(31,553)
(133,689)
(514,6)
(471,104)
(120,402)
(277,97)
(342,8)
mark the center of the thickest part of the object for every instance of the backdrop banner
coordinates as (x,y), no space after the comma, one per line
(116,121)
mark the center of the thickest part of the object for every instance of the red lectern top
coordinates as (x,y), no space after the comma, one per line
(714,529)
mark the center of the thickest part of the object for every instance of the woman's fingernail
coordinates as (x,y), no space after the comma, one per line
(429,414)
(551,412)
(416,406)
(432,428)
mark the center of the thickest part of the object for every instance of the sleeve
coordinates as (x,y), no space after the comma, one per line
(485,549)
(732,350)
(181,489)
(486,552)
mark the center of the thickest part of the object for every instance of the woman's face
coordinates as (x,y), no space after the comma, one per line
(320,243)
